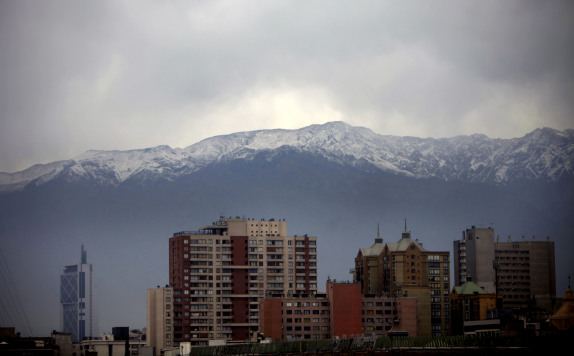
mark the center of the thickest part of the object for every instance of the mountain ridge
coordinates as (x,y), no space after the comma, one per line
(544,153)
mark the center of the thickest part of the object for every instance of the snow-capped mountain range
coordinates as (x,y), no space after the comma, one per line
(543,154)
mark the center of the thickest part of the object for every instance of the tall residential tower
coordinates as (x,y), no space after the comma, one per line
(77,314)
(221,272)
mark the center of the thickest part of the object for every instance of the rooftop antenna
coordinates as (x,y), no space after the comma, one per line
(378,239)
(406,233)
(84,256)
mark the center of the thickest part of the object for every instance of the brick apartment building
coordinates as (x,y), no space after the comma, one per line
(220,272)
(406,269)
(340,312)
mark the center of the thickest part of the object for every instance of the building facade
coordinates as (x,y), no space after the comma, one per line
(470,310)
(474,257)
(406,269)
(221,272)
(77,300)
(159,318)
(109,348)
(295,317)
(380,314)
(340,312)
(346,309)
(522,272)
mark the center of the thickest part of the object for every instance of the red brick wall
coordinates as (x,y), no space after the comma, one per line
(176,261)
(307,279)
(240,286)
(407,315)
(270,318)
(346,308)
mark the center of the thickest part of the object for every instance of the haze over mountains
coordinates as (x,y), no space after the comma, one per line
(333,181)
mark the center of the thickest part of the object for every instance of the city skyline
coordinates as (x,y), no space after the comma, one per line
(452,282)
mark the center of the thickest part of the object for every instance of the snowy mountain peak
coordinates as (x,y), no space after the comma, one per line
(544,153)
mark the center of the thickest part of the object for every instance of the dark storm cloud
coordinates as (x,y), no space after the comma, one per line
(119,75)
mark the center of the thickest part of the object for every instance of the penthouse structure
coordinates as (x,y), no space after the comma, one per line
(221,272)
(522,272)
(406,269)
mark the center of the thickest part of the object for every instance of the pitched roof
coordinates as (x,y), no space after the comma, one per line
(375,249)
(469,288)
(403,244)
(563,319)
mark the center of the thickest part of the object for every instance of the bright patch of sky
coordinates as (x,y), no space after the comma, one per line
(112,75)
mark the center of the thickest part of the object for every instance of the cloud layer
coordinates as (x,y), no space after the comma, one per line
(119,75)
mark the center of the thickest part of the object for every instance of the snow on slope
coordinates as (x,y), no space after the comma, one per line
(542,154)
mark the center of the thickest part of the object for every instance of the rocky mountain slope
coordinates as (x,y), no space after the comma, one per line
(544,154)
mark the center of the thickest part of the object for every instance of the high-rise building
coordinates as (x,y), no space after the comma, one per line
(159,316)
(221,272)
(77,300)
(522,272)
(405,268)
(474,257)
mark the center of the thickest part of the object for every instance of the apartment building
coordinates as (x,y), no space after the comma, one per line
(380,314)
(406,269)
(220,272)
(295,317)
(340,312)
(159,318)
(526,273)
(522,272)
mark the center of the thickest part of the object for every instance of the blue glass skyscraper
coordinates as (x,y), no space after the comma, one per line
(77,300)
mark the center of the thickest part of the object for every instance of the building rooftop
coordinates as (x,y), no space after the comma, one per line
(402,245)
(469,288)
(375,249)
(563,319)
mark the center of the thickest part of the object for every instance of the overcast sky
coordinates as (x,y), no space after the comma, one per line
(79,75)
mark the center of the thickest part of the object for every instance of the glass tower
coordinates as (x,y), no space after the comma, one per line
(76,300)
